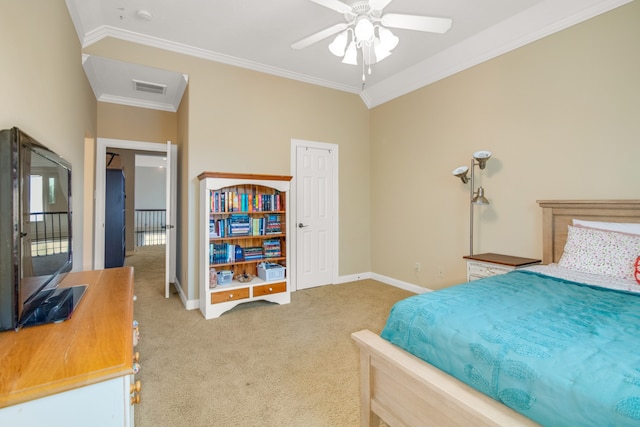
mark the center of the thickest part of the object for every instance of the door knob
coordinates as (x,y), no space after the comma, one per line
(301,225)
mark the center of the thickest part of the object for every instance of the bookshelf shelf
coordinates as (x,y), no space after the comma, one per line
(277,260)
(244,221)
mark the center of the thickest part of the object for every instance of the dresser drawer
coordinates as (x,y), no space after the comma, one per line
(271,288)
(230,295)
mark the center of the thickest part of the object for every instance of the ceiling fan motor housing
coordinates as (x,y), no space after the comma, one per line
(362,8)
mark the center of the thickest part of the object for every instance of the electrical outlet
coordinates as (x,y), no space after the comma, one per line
(418,267)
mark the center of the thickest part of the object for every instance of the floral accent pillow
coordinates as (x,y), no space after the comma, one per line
(637,271)
(601,252)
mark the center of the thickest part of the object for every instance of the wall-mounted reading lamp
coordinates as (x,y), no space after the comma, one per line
(476,196)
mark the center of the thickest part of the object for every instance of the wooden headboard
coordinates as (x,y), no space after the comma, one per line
(557,214)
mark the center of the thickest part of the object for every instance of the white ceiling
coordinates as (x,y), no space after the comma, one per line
(257,34)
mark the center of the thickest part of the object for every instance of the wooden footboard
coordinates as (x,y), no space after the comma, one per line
(403,390)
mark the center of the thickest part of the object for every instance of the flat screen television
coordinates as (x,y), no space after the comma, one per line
(35,233)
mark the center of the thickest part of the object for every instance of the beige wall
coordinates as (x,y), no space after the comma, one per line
(243,121)
(562,118)
(136,124)
(182,219)
(45,91)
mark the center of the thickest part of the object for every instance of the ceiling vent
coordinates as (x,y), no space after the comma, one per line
(156,88)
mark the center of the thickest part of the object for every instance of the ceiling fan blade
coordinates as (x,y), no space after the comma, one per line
(336,5)
(415,22)
(308,41)
(378,4)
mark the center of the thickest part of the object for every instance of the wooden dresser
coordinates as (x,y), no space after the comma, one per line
(78,372)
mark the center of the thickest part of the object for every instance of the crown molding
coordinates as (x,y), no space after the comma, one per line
(108,31)
(133,102)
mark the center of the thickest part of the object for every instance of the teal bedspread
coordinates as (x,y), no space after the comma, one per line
(560,353)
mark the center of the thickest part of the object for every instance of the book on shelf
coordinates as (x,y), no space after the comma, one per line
(273,224)
(223,253)
(232,201)
(239,225)
(213,231)
(272,248)
(253,253)
(244,225)
(257,226)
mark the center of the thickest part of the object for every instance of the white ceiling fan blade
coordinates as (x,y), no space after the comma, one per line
(336,5)
(415,22)
(378,4)
(308,41)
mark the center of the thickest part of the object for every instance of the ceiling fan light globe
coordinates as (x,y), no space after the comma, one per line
(351,55)
(364,29)
(339,44)
(388,39)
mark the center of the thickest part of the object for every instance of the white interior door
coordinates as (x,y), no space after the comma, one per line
(315,216)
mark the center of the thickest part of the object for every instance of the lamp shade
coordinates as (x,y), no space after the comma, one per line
(351,55)
(461,172)
(482,157)
(380,50)
(387,39)
(479,199)
(339,44)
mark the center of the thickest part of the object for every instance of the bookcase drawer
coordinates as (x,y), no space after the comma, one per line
(230,295)
(271,288)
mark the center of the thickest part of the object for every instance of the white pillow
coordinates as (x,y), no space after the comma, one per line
(600,252)
(621,227)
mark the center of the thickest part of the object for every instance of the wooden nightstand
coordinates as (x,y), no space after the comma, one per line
(486,265)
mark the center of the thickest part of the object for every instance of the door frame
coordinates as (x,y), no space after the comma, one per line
(292,201)
(99,210)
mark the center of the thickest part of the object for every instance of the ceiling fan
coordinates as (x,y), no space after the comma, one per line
(366,29)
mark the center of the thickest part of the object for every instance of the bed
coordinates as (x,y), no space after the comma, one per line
(403,390)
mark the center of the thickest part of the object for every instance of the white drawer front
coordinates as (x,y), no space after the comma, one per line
(479,270)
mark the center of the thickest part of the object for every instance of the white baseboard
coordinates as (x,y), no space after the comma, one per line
(188,304)
(384,279)
(195,304)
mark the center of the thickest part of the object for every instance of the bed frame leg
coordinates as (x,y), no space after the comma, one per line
(367,417)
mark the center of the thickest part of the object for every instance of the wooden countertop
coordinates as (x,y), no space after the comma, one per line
(93,346)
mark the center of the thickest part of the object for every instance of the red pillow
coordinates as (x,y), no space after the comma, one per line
(637,272)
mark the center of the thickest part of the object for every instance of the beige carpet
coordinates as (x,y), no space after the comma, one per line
(260,364)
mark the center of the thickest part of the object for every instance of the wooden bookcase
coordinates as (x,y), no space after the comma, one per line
(243,224)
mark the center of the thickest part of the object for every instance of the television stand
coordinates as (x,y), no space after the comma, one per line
(57,307)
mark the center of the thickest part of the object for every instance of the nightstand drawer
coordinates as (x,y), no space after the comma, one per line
(490,264)
(478,270)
